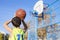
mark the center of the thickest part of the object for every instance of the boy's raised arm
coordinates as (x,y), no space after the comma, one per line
(7,27)
(25,26)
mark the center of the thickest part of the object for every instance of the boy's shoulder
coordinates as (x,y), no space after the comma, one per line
(18,30)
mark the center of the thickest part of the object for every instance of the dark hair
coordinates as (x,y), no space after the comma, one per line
(16,21)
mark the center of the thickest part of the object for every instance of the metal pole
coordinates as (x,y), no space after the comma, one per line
(36,25)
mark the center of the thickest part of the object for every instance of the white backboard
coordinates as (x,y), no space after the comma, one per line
(38,7)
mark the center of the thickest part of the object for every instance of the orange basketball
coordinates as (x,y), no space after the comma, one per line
(21,13)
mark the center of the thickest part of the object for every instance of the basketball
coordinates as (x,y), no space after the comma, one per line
(21,13)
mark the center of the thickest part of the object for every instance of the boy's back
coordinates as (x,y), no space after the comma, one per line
(17,34)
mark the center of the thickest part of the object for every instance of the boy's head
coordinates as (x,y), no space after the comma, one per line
(16,21)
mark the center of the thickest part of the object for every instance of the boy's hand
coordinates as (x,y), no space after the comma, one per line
(14,15)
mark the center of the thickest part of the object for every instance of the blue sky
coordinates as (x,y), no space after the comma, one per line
(9,7)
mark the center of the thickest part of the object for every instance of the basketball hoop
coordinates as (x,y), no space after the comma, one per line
(38,7)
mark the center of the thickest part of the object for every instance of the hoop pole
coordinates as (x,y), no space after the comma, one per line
(36,26)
